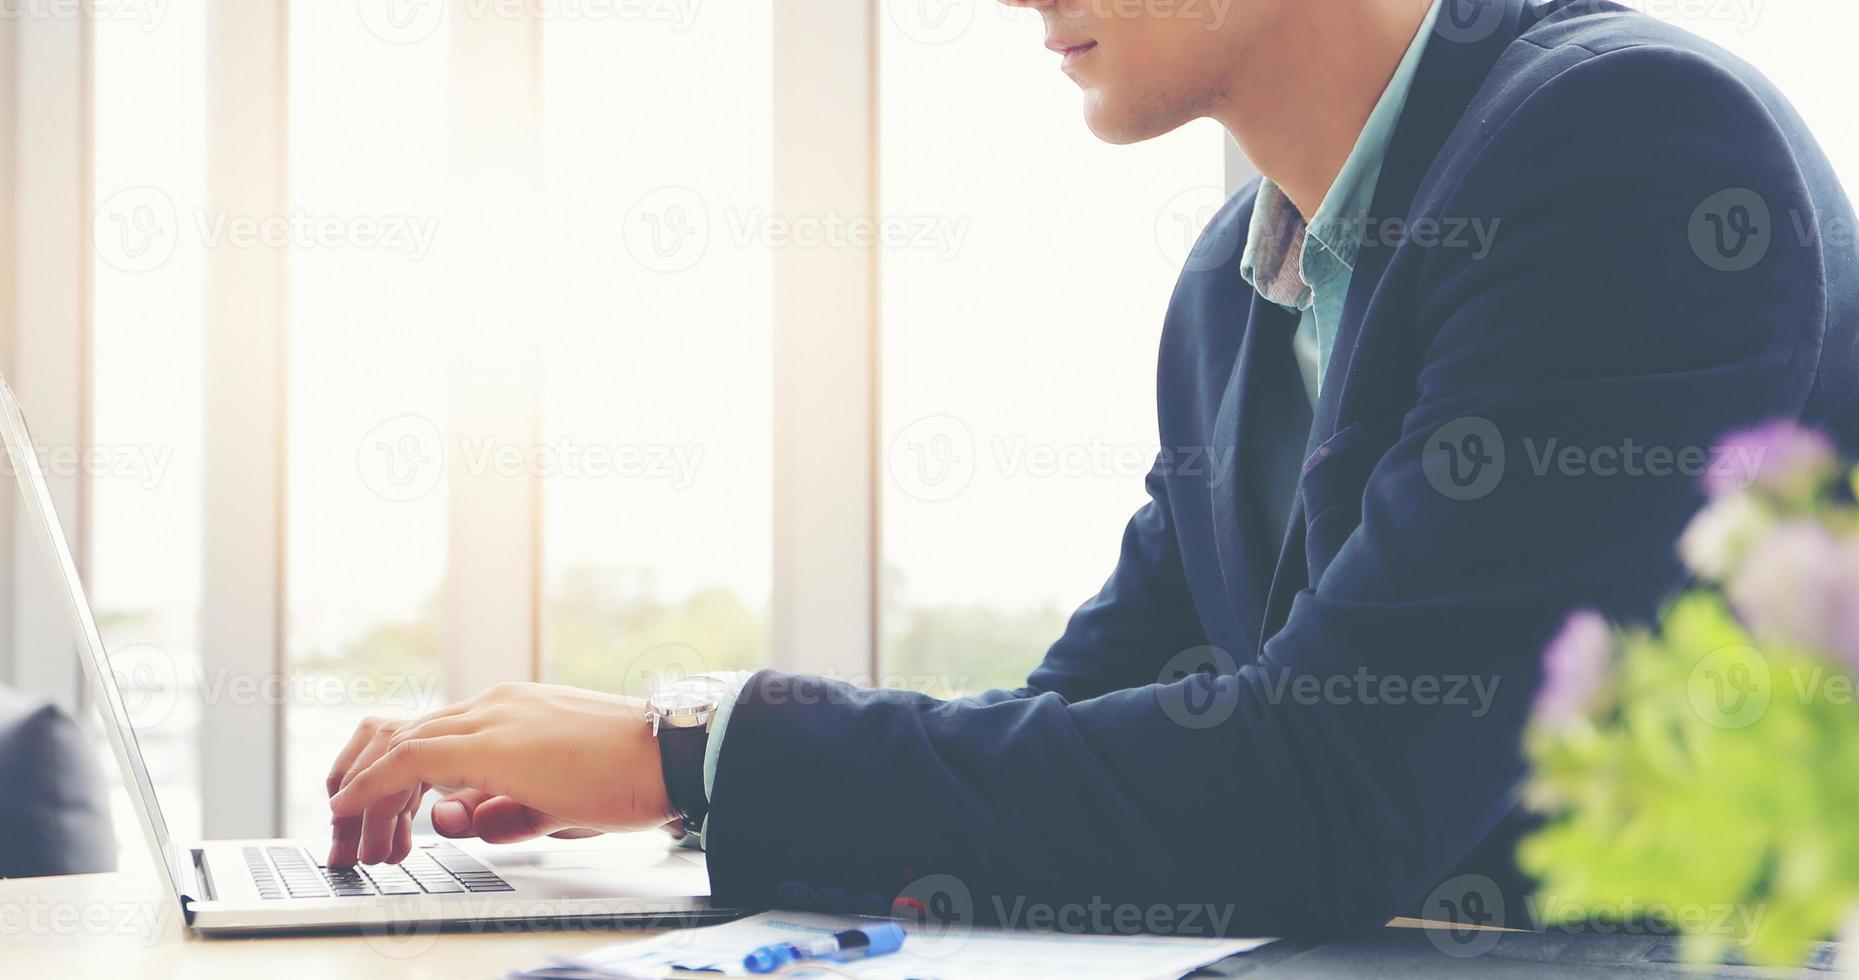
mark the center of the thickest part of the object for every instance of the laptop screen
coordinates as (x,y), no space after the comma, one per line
(22,459)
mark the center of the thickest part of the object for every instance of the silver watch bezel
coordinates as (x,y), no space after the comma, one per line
(688,703)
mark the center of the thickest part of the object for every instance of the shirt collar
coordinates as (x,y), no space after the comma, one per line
(1286,258)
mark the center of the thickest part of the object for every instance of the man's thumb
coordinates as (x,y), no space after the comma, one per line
(502,820)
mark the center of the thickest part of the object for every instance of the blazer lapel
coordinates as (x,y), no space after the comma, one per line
(1289,577)
(1467,39)
(1262,419)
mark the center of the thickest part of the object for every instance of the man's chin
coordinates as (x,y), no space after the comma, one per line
(1122,124)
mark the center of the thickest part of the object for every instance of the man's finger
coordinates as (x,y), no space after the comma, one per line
(412,809)
(349,842)
(402,844)
(344,841)
(458,707)
(451,815)
(447,761)
(378,824)
(364,733)
(373,749)
(457,723)
(502,820)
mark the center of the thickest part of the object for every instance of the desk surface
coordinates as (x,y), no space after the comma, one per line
(121,925)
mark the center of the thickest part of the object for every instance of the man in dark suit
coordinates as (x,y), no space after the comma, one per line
(1450,369)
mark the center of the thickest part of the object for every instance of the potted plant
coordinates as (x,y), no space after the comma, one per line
(1706,772)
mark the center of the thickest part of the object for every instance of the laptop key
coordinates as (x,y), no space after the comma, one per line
(391,880)
(456,861)
(441,869)
(467,869)
(299,874)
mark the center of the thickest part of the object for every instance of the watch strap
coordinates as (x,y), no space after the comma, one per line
(681,753)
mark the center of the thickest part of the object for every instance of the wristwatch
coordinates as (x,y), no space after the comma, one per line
(680,714)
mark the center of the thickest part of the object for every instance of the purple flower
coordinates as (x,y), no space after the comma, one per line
(1575,669)
(1783,457)
(1799,585)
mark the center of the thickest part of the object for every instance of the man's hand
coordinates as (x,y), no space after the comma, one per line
(518,761)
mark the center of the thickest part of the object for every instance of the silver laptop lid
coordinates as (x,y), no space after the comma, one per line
(37,501)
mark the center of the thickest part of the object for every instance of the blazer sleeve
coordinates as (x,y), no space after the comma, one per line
(1333,781)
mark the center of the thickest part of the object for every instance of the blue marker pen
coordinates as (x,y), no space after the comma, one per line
(851,944)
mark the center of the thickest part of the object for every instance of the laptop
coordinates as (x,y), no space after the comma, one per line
(267,886)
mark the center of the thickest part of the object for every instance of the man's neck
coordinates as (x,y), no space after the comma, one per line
(1304,100)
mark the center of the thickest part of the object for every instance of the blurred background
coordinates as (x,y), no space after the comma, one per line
(379,350)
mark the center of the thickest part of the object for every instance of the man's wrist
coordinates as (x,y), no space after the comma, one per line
(652,782)
(680,714)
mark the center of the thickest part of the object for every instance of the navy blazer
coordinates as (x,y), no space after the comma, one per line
(1504,433)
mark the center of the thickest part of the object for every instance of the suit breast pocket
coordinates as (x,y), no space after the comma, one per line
(1331,488)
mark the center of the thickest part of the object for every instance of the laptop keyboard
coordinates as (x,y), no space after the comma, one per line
(432,869)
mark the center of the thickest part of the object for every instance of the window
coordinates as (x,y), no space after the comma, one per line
(366,340)
(644,503)
(656,378)
(1803,46)
(1019,335)
(143,554)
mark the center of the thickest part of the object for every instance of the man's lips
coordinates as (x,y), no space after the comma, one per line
(1070,49)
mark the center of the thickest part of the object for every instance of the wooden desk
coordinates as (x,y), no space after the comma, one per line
(122,925)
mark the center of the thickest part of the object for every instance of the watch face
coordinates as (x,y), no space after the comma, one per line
(691,696)
(676,701)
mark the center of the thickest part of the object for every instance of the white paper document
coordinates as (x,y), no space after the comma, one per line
(947,953)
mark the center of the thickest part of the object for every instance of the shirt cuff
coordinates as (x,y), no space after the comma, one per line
(737,680)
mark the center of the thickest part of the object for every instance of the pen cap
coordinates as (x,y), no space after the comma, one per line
(769,958)
(887,937)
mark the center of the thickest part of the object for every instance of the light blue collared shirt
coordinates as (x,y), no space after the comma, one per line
(1305,267)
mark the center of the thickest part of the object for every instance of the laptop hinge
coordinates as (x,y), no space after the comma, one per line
(201,877)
